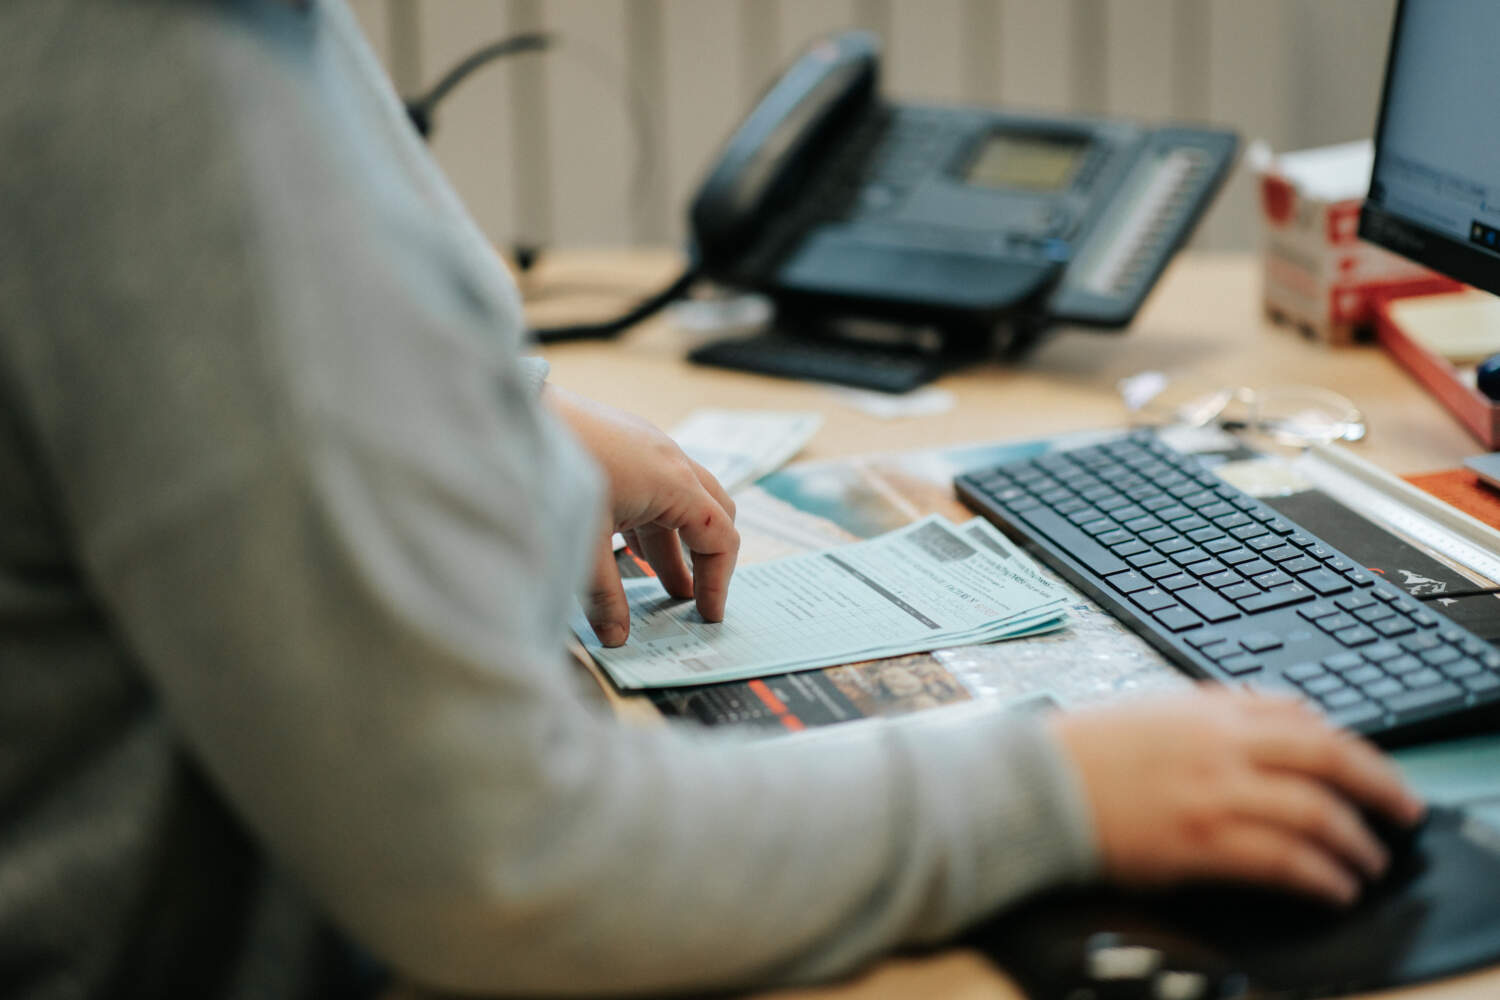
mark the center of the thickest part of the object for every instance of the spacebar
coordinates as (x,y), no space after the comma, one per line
(1075,543)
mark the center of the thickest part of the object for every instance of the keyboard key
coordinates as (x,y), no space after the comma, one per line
(1324,685)
(1161,571)
(1482,683)
(1425,677)
(1375,613)
(1425,619)
(1334,623)
(1356,636)
(1464,667)
(1356,715)
(1229,522)
(1300,540)
(1445,695)
(1385,687)
(1158,535)
(1452,635)
(1174,512)
(1340,565)
(1205,602)
(1077,544)
(1283,553)
(1381,651)
(1188,556)
(1207,637)
(1419,643)
(1278,598)
(1240,664)
(1098,526)
(1235,556)
(1394,626)
(1439,656)
(1303,671)
(1403,664)
(1255,568)
(1219,581)
(1113,538)
(1343,661)
(1251,531)
(1275,578)
(1321,552)
(1153,599)
(1206,567)
(1263,543)
(1280,527)
(1219,546)
(1325,582)
(1353,601)
(1359,578)
(1385,592)
(1075,506)
(1342,698)
(1221,650)
(1174,544)
(1176,582)
(1129,548)
(1316,610)
(1367,674)
(1301,564)
(1238,591)
(1178,619)
(1141,560)
(1260,642)
(1141,524)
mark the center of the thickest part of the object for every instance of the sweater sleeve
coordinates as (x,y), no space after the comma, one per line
(323,511)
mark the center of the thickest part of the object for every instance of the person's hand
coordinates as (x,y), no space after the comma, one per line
(1233,786)
(659,499)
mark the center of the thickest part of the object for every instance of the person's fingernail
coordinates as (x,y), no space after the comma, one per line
(611,635)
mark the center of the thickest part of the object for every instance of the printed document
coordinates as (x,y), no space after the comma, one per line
(925,586)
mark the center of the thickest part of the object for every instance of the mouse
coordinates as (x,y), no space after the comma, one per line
(1487,376)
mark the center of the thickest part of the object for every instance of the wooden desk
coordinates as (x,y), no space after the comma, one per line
(1204,320)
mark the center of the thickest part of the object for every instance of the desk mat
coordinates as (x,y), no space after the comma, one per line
(1437,913)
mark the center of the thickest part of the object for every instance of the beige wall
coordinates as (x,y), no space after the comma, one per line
(546,147)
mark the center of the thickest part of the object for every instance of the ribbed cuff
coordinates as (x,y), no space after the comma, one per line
(1016,817)
(535,371)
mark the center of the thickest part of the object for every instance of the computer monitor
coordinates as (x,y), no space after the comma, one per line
(1435,190)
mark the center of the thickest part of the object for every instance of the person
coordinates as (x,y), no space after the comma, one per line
(289,535)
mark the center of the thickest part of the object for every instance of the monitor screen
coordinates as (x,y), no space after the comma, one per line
(1435,190)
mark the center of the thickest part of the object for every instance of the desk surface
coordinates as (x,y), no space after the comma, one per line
(1204,321)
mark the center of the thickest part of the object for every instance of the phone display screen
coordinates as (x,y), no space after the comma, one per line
(1028,161)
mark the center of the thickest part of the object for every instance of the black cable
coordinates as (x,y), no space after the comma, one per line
(1475,592)
(419,109)
(610,328)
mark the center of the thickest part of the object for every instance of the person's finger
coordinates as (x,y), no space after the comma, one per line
(663,551)
(1267,855)
(1311,810)
(1339,758)
(633,542)
(715,488)
(714,543)
(604,602)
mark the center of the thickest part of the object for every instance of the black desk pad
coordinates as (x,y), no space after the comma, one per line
(1437,913)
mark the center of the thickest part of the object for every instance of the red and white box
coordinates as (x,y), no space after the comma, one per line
(1319,276)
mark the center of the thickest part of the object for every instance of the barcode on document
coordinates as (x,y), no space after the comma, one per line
(939,543)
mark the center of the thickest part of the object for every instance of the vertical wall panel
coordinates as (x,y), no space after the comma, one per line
(925,50)
(1338,50)
(800,21)
(981,51)
(1036,54)
(473,138)
(590,102)
(704,98)
(1249,64)
(1139,57)
(371,15)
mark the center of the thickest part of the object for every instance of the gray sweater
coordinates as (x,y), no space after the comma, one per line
(286,551)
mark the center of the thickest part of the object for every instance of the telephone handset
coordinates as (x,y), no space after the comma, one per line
(834,201)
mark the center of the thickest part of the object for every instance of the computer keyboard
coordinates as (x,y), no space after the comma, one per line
(1231,590)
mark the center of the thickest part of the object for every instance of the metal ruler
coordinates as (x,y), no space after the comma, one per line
(1403,508)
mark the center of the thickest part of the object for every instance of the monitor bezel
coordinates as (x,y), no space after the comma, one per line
(1439,251)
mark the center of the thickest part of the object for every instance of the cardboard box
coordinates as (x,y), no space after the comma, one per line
(1318,276)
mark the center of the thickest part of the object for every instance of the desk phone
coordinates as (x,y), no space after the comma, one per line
(832,200)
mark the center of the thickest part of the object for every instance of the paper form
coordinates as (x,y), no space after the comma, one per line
(921,587)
